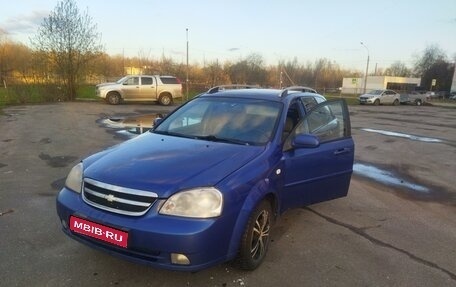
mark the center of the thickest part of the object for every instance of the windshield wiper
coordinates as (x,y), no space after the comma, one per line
(214,138)
(167,133)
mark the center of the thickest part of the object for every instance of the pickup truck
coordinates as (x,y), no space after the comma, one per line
(415,97)
(162,89)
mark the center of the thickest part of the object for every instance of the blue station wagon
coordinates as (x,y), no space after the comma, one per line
(205,185)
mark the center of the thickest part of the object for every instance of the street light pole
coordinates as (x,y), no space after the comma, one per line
(186,82)
(367,67)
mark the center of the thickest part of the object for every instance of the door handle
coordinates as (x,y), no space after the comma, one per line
(342,151)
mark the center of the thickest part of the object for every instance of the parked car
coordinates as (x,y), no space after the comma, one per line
(431,95)
(416,97)
(380,97)
(205,185)
(141,88)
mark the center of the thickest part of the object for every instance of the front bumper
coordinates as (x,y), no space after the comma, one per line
(366,100)
(152,238)
(99,93)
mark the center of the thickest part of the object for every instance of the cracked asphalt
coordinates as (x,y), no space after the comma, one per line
(381,234)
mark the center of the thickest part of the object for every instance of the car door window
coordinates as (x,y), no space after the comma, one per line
(328,121)
(292,119)
(308,103)
(146,81)
(132,81)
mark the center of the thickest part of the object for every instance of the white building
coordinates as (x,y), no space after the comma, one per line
(399,84)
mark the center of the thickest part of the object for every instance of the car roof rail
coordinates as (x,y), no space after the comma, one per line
(303,89)
(216,89)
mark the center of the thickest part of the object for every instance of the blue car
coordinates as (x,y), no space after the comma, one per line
(205,185)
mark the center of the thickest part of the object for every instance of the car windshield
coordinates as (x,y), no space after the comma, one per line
(121,80)
(238,121)
(375,92)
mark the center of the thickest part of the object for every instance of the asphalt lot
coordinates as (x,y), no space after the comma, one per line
(400,231)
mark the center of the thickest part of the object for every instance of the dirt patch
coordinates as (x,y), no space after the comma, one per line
(57,161)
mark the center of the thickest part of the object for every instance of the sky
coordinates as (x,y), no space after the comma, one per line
(282,30)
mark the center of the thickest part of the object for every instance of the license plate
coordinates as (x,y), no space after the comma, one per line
(98,231)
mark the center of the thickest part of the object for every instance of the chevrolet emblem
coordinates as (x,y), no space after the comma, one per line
(110,198)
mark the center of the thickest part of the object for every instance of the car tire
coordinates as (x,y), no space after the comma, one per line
(418,102)
(256,237)
(165,100)
(396,102)
(376,102)
(113,98)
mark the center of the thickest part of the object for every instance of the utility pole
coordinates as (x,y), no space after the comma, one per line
(367,67)
(186,81)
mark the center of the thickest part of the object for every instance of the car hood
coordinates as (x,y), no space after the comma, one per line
(106,84)
(367,96)
(166,164)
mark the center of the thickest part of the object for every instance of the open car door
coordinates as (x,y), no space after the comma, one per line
(318,156)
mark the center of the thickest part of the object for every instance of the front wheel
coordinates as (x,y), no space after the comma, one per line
(255,241)
(396,102)
(113,98)
(376,102)
(418,102)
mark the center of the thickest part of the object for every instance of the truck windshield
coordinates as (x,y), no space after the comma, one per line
(121,80)
(239,121)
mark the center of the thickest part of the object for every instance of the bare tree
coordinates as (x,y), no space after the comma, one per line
(398,69)
(69,40)
(431,55)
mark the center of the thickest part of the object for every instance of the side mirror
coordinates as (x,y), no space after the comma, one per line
(305,141)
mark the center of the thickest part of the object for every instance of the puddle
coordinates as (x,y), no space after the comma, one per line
(130,127)
(387,177)
(401,135)
(57,161)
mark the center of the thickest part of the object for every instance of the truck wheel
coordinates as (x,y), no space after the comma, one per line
(396,102)
(165,99)
(418,102)
(377,102)
(113,98)
(255,241)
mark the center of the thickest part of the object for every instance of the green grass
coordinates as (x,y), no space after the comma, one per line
(39,93)
(21,94)
(87,92)
(351,100)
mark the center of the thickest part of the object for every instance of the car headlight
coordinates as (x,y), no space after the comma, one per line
(203,202)
(74,178)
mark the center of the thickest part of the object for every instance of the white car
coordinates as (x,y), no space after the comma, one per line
(377,97)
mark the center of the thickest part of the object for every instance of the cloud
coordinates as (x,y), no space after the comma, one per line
(24,24)
(233,49)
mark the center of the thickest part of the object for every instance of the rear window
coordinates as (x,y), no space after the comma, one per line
(169,80)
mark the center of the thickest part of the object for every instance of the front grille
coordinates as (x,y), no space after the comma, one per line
(117,199)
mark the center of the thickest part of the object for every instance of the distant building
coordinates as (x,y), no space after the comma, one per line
(133,71)
(399,84)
